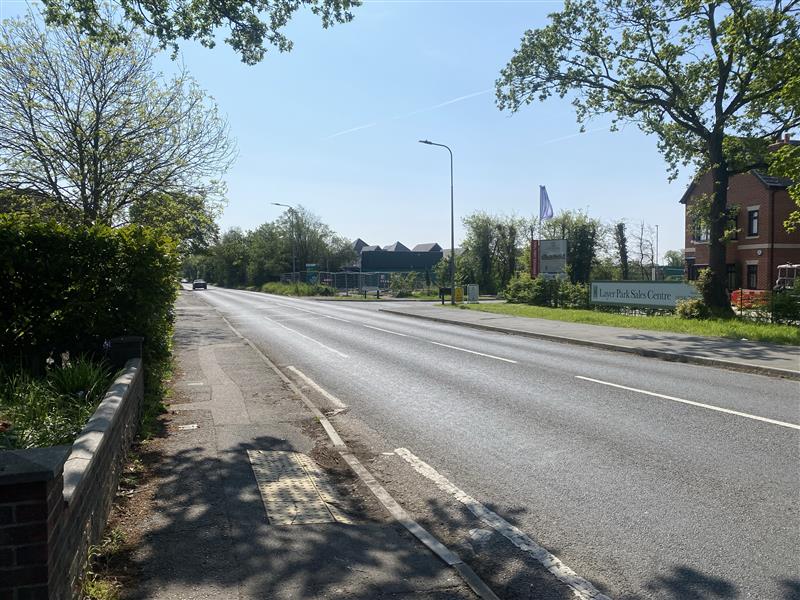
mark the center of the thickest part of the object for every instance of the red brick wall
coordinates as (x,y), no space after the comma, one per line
(747,190)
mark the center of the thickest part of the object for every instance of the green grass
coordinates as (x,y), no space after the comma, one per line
(727,328)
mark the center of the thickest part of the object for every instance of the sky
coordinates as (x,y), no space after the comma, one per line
(334,126)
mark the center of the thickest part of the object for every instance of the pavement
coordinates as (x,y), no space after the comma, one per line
(250,499)
(740,355)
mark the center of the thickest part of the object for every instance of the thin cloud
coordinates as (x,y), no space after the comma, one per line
(570,136)
(412,113)
(351,130)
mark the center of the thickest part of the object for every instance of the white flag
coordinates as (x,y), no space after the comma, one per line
(545,208)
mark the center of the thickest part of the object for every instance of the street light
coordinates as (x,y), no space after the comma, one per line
(293,212)
(452,225)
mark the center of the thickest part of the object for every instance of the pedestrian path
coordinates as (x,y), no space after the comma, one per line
(741,355)
(251,503)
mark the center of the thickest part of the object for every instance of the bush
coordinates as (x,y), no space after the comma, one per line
(72,288)
(786,305)
(692,308)
(297,289)
(557,293)
(52,410)
(402,284)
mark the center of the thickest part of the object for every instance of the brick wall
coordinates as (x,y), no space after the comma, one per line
(54,502)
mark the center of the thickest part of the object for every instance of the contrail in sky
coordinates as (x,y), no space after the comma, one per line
(571,135)
(412,113)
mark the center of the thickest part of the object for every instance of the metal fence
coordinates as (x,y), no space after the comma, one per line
(356,282)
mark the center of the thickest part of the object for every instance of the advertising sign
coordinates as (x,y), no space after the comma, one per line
(472,293)
(553,257)
(650,294)
(534,258)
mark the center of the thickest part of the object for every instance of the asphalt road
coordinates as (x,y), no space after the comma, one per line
(643,495)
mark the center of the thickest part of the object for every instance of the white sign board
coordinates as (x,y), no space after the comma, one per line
(552,257)
(655,294)
(472,293)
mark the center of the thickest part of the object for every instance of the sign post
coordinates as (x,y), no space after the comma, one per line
(534,258)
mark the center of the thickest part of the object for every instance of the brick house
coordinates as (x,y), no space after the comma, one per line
(762,242)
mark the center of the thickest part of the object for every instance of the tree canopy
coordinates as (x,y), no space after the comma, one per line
(89,126)
(705,78)
(252,25)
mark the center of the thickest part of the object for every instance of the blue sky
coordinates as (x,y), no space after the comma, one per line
(333,125)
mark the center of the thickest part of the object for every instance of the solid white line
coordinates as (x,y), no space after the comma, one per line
(306,318)
(508,360)
(384,330)
(580,587)
(343,355)
(692,403)
(337,319)
(333,399)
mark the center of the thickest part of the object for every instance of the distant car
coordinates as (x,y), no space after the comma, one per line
(184,280)
(199,284)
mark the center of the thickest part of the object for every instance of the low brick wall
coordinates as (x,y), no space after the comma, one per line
(54,502)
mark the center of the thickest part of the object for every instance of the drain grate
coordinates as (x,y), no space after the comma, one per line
(294,489)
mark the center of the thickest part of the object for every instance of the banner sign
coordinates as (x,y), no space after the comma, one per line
(651,294)
(553,257)
(534,258)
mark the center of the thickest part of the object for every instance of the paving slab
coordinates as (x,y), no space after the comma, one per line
(740,355)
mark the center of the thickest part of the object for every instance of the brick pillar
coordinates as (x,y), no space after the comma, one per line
(31,506)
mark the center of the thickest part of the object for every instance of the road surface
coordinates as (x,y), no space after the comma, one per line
(650,479)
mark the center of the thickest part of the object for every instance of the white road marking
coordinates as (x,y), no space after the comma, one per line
(310,339)
(196,383)
(384,330)
(692,403)
(331,398)
(508,360)
(337,319)
(303,318)
(580,587)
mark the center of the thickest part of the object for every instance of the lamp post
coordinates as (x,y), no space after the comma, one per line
(452,225)
(294,250)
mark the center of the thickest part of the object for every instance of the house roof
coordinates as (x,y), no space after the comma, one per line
(768,181)
(359,244)
(396,247)
(371,249)
(431,247)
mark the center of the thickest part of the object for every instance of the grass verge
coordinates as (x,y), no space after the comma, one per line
(726,328)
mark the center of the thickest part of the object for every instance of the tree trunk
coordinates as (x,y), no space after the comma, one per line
(718,299)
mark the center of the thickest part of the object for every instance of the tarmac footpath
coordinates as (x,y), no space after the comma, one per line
(251,499)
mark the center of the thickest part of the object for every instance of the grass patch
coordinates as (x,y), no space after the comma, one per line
(726,328)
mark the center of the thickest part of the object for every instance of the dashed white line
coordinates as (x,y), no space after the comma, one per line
(337,319)
(311,383)
(310,339)
(580,587)
(508,360)
(384,330)
(692,403)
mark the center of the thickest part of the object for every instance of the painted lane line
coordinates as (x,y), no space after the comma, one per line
(508,360)
(303,318)
(692,403)
(312,384)
(384,330)
(581,588)
(342,354)
(337,319)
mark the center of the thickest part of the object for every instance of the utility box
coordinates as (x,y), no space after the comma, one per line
(472,293)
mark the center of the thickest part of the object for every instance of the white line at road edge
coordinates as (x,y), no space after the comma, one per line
(508,360)
(311,383)
(580,587)
(384,330)
(342,354)
(692,403)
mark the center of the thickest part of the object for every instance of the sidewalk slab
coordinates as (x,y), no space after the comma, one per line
(740,355)
(208,534)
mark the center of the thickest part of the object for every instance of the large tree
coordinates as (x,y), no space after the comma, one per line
(89,125)
(700,76)
(253,25)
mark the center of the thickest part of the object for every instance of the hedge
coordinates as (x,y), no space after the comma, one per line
(72,288)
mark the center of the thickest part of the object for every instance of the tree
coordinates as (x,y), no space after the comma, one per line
(622,248)
(583,238)
(89,126)
(187,218)
(673,258)
(703,77)
(252,24)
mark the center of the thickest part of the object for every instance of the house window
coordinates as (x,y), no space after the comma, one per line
(752,222)
(752,277)
(733,277)
(699,233)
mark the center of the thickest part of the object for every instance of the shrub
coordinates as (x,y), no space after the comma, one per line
(692,308)
(297,289)
(402,284)
(72,288)
(522,289)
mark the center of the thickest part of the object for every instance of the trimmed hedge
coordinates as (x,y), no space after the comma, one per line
(556,293)
(72,288)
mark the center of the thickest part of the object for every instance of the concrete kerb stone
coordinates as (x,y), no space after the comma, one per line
(646,352)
